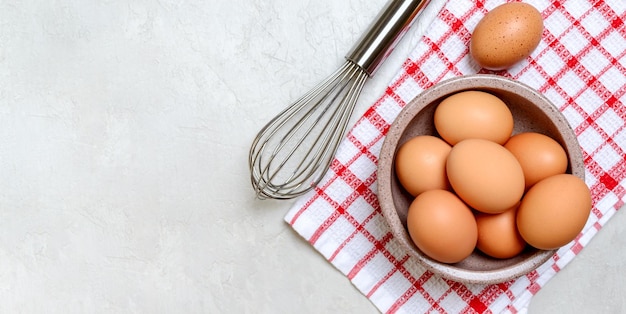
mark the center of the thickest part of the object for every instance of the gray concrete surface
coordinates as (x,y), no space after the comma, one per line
(123,157)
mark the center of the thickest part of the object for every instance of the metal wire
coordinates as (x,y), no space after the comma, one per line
(291,154)
(293,151)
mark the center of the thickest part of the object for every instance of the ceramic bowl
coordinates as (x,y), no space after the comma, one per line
(531,112)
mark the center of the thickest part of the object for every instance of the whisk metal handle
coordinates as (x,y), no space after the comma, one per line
(379,40)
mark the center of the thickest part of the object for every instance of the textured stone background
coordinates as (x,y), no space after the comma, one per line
(124,133)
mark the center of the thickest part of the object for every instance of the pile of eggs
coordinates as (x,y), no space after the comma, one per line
(478,186)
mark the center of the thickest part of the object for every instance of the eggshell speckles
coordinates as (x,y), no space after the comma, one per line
(506,35)
(473,114)
(485,175)
(442,226)
(421,164)
(554,211)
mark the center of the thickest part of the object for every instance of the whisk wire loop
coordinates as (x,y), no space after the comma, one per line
(280,122)
(290,153)
(334,128)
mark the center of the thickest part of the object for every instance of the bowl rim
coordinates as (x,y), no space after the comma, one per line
(406,115)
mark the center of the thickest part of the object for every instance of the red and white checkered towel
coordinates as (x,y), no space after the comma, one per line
(580,65)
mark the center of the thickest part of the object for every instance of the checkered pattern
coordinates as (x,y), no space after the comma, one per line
(580,65)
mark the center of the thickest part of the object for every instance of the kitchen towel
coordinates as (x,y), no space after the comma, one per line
(580,65)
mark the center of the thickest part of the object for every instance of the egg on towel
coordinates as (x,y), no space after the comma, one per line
(506,35)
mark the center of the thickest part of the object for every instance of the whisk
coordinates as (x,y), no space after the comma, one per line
(291,154)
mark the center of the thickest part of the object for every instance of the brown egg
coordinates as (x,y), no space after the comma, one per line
(442,226)
(485,175)
(539,155)
(421,164)
(473,114)
(497,234)
(506,35)
(554,211)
